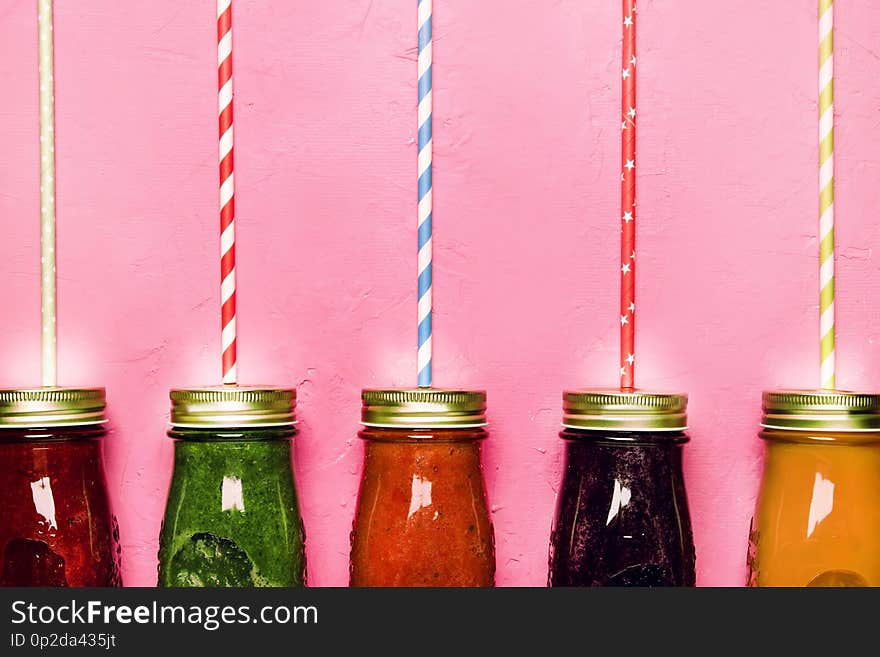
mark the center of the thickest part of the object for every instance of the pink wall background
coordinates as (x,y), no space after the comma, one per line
(526,230)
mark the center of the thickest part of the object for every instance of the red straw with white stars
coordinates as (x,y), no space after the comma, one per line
(628,201)
(227,191)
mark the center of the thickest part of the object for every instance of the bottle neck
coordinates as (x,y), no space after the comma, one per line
(654,464)
(624,438)
(233,434)
(853,438)
(52,434)
(423,435)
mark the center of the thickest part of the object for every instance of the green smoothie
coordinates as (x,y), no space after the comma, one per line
(232,517)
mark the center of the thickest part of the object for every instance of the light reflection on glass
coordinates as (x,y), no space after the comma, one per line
(44,501)
(821,503)
(232,497)
(420,497)
(619,499)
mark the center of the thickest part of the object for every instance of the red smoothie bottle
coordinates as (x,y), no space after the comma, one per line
(56,526)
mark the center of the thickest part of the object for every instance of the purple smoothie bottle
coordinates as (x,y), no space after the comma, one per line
(622,514)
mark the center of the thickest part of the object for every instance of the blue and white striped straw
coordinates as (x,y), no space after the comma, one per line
(426,157)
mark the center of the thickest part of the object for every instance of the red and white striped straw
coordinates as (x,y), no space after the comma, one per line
(227,192)
(628,201)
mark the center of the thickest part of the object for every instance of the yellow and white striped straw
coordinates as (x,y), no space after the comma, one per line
(826,192)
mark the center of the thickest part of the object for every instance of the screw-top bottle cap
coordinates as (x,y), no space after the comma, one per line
(233,407)
(424,408)
(821,410)
(616,410)
(52,407)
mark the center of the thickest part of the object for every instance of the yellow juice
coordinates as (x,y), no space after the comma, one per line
(818,513)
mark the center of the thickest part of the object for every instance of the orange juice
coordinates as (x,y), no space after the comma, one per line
(818,513)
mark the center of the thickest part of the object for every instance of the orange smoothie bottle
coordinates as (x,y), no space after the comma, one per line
(818,513)
(422,518)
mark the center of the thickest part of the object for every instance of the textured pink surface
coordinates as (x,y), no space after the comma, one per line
(526,229)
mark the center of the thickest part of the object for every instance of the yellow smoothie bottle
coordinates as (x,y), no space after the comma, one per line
(817,521)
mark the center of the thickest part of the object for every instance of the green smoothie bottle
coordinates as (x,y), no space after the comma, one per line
(232,517)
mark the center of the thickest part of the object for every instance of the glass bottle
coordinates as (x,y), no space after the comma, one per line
(56,525)
(622,515)
(817,519)
(422,518)
(232,518)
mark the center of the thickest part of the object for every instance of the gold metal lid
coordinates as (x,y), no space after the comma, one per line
(821,410)
(616,410)
(233,407)
(52,407)
(424,408)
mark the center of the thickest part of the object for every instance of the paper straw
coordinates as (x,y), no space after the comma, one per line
(628,200)
(227,192)
(47,195)
(826,193)
(425,11)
